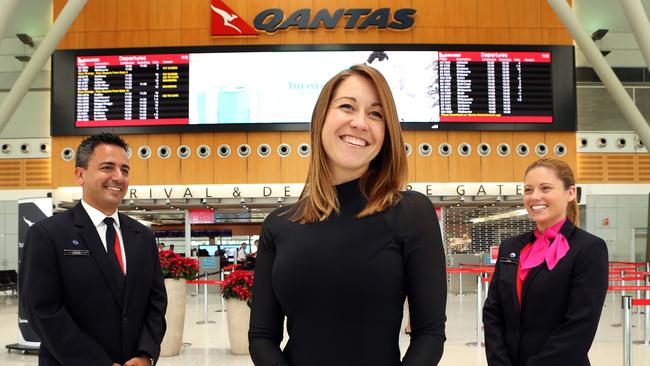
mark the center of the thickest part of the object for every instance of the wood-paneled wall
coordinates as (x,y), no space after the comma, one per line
(155,23)
(63,169)
(234,169)
(589,167)
(149,23)
(10,173)
(196,169)
(613,168)
(25,173)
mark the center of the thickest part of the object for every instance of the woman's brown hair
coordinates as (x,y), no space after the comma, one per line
(565,174)
(386,175)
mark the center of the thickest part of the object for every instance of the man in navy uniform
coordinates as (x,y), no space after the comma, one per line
(90,279)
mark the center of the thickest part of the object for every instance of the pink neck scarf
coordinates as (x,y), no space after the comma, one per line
(543,250)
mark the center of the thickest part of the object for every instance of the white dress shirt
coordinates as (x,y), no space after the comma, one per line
(97,217)
(241,255)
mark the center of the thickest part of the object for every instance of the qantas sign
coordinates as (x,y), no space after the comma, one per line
(225,22)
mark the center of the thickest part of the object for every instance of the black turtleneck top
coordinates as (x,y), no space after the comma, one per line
(341,284)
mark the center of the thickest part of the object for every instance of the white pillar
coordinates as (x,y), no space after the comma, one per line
(188,233)
(602,69)
(640,26)
(40,56)
(7,8)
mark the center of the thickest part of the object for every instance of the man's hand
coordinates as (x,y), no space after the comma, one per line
(138,361)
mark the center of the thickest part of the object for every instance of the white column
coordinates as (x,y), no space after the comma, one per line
(640,26)
(40,56)
(7,8)
(602,69)
(188,233)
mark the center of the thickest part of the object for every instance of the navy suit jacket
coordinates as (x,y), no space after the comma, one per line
(558,317)
(83,308)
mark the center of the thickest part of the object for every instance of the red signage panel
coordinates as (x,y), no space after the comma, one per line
(225,22)
(201,216)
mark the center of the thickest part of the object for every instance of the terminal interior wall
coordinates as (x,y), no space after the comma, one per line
(8,234)
(149,23)
(615,218)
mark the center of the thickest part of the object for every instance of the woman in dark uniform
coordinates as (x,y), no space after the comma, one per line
(549,285)
(340,262)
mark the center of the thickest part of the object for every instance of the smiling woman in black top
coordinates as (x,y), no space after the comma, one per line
(339,263)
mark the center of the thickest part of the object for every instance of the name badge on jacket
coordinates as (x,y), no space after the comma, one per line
(76,252)
(511,259)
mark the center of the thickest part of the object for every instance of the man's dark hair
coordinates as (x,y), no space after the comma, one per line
(87,147)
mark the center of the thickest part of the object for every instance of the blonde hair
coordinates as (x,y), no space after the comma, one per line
(386,175)
(563,171)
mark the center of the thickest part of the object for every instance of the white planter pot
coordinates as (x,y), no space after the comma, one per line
(238,318)
(175,317)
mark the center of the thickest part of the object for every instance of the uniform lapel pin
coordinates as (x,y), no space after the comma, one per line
(512,255)
(75,242)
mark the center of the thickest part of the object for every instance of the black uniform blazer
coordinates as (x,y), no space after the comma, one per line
(83,308)
(558,318)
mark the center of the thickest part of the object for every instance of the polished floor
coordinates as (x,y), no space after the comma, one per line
(208,344)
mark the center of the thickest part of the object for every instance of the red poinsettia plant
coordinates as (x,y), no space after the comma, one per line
(238,285)
(175,266)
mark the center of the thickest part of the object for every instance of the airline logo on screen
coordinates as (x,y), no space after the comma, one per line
(226,22)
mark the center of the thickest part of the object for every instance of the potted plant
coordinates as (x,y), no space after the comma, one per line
(237,289)
(176,270)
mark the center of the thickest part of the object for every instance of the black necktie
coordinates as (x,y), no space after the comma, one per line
(110,243)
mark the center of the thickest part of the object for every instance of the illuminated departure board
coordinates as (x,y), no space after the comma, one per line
(132,90)
(495,87)
(273,88)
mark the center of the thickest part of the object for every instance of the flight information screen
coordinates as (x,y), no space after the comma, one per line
(495,87)
(263,88)
(132,90)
